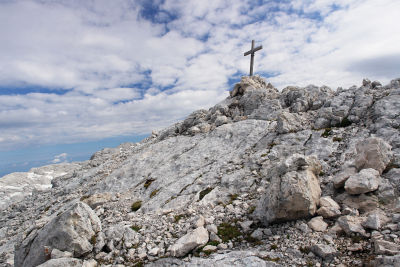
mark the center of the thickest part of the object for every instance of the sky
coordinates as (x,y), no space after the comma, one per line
(77,76)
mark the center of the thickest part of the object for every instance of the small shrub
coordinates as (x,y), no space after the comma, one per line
(136,205)
(154,193)
(136,228)
(84,197)
(274,246)
(178,217)
(327,133)
(205,192)
(213,243)
(148,183)
(93,240)
(321,173)
(252,209)
(264,155)
(337,139)
(228,232)
(344,123)
(304,250)
(232,197)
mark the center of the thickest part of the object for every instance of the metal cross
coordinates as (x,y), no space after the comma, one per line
(252,51)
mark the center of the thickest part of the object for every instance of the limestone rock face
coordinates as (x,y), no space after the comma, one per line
(71,231)
(294,191)
(373,153)
(190,241)
(366,180)
(260,155)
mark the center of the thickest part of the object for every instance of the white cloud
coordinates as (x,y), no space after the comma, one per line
(61,158)
(121,74)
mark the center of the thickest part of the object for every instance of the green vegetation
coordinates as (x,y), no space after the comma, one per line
(178,217)
(154,193)
(274,246)
(344,123)
(252,209)
(337,139)
(213,243)
(205,192)
(264,155)
(148,183)
(136,228)
(327,133)
(136,205)
(93,240)
(304,250)
(267,258)
(228,232)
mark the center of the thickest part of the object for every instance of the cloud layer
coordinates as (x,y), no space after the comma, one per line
(73,71)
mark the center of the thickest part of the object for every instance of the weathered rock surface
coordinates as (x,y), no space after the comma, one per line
(71,231)
(328,207)
(62,262)
(294,190)
(249,171)
(190,241)
(373,153)
(365,181)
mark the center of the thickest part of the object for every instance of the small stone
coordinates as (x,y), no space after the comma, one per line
(212,228)
(351,224)
(340,179)
(386,247)
(200,222)
(56,254)
(210,248)
(215,237)
(188,242)
(222,246)
(373,222)
(318,224)
(396,217)
(246,225)
(257,234)
(324,251)
(90,263)
(267,232)
(304,228)
(355,247)
(154,251)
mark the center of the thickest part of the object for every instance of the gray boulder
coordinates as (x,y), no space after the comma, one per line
(328,207)
(367,180)
(188,242)
(294,190)
(373,153)
(71,231)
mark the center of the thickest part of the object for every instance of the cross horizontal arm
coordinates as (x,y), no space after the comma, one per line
(253,50)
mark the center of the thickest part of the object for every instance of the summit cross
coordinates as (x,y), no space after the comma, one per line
(251,52)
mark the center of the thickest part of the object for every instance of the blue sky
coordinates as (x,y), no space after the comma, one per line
(76,76)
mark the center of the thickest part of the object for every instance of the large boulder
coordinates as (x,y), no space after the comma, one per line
(71,231)
(373,153)
(188,242)
(294,190)
(367,180)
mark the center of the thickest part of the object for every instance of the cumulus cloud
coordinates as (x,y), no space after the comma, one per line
(61,158)
(126,67)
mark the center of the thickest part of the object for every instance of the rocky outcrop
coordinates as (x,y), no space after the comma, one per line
(71,231)
(294,190)
(238,184)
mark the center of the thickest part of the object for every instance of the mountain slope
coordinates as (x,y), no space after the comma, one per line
(248,174)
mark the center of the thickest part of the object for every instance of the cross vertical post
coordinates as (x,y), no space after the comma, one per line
(251,52)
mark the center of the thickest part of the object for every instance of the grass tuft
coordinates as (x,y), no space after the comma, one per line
(136,205)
